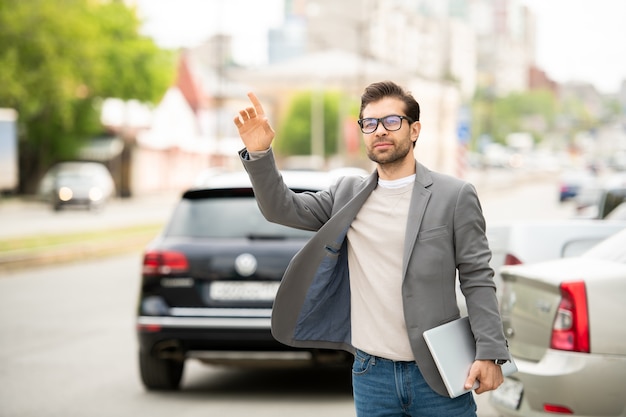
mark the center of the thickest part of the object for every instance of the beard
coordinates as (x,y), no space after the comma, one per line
(393,155)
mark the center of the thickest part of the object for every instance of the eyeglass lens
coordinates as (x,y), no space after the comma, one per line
(370,124)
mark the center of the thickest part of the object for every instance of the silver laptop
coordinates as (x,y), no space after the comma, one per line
(453,348)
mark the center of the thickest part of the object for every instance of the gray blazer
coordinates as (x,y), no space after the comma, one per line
(445,234)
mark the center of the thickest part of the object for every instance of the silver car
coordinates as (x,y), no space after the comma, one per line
(77,184)
(565,323)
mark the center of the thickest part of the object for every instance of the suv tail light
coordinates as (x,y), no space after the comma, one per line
(571,324)
(164,263)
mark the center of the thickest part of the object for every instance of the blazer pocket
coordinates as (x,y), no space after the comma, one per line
(332,250)
(433,233)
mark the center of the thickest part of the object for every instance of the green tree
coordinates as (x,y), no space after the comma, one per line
(295,130)
(531,111)
(59,59)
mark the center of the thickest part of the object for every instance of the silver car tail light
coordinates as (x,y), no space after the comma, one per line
(556,409)
(511,260)
(570,330)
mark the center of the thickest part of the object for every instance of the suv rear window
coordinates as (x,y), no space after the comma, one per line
(225,214)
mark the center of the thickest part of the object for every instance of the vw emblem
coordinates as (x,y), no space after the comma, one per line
(245,264)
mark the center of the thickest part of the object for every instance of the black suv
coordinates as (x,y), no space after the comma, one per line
(209,281)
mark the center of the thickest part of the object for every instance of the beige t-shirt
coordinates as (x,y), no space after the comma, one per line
(375,252)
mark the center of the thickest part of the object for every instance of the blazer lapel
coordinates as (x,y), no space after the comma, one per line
(419,201)
(344,217)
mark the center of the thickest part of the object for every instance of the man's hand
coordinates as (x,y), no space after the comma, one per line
(488,374)
(254,128)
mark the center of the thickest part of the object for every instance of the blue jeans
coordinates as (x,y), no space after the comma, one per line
(385,388)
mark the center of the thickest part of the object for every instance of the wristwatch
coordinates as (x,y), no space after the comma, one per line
(500,361)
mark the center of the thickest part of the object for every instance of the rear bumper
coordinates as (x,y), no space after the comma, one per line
(211,337)
(260,321)
(587,384)
(79,202)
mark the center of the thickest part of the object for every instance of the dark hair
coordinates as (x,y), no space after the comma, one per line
(380,90)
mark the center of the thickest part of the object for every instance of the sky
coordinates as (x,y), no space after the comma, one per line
(187,23)
(577,40)
(582,40)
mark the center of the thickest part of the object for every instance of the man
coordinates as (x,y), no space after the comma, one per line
(381,268)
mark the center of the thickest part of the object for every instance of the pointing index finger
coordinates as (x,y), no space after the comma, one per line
(256,103)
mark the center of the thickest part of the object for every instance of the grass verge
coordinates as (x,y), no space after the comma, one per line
(28,251)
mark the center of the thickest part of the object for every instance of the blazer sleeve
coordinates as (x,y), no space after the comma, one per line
(476,276)
(278,203)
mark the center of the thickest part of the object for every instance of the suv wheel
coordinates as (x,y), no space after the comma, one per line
(160,374)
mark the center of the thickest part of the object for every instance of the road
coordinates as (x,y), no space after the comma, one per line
(67,348)
(28,217)
(67,344)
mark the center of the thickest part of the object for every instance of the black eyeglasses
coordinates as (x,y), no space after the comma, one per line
(391,123)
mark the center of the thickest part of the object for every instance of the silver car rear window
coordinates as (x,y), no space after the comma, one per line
(611,249)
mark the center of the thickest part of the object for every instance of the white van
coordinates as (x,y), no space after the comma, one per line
(540,240)
(531,241)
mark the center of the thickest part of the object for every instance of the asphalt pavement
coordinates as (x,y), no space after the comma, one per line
(25,217)
(22,216)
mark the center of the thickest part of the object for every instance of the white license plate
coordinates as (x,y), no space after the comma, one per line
(243,291)
(508,394)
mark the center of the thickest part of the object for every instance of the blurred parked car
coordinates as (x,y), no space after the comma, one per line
(565,323)
(210,278)
(534,241)
(80,184)
(530,241)
(618,213)
(205,176)
(571,182)
(599,199)
(611,199)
